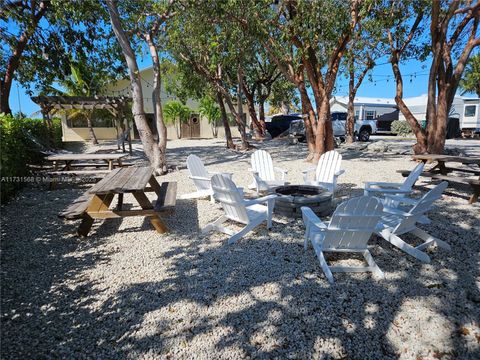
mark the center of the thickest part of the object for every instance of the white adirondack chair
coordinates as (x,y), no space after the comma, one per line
(201,178)
(326,172)
(383,188)
(263,172)
(396,222)
(349,230)
(249,212)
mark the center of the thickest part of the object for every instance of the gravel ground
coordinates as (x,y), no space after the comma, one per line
(128,292)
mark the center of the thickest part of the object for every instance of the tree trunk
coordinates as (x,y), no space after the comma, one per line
(160,154)
(309,120)
(257,129)
(93,137)
(214,128)
(226,126)
(250,96)
(261,114)
(350,125)
(242,126)
(14,61)
(178,128)
(138,111)
(421,146)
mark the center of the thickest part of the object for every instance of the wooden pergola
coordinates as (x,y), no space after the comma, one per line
(116,105)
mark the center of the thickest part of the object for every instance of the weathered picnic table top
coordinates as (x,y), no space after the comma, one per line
(123,180)
(70,157)
(447,158)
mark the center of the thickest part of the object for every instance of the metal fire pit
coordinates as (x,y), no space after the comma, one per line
(292,197)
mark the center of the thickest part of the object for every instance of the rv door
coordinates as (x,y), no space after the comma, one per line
(471,117)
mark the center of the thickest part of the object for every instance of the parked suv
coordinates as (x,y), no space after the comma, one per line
(363,128)
(281,123)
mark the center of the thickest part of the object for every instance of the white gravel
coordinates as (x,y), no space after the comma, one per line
(128,292)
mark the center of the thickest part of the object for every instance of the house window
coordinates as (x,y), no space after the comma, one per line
(470,110)
(357,113)
(370,115)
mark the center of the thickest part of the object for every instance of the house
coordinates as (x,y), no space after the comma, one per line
(196,127)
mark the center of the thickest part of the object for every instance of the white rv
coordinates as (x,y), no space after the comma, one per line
(470,117)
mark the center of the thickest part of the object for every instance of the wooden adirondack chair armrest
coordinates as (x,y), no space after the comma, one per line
(260,200)
(310,217)
(199,178)
(282,171)
(389,191)
(393,211)
(339,172)
(378,183)
(402,199)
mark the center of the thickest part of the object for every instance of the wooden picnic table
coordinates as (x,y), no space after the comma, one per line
(95,204)
(441,160)
(441,171)
(96,160)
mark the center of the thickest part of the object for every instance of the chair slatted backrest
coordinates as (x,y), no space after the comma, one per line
(196,168)
(262,163)
(412,177)
(420,208)
(328,165)
(353,222)
(226,192)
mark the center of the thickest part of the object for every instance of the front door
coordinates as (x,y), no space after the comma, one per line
(191,128)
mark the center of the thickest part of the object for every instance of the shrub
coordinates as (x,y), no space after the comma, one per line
(21,143)
(401,128)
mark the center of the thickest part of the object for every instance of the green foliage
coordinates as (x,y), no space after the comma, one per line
(175,113)
(68,30)
(471,77)
(401,128)
(21,143)
(209,109)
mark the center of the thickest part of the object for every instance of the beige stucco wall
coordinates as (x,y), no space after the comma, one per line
(122,88)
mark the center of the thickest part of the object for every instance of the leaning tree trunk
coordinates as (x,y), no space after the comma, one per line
(226,126)
(250,96)
(93,137)
(160,158)
(138,110)
(421,146)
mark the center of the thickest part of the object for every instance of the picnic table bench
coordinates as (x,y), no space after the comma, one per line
(70,161)
(95,203)
(440,171)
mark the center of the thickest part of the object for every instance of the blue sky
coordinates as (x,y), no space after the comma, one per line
(383,84)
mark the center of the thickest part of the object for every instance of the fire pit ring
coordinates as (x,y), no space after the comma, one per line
(292,197)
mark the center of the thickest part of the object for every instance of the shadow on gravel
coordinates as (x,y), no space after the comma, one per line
(264,297)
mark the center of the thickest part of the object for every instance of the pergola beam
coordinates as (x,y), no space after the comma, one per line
(114,104)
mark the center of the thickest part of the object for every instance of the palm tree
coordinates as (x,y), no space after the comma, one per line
(82,81)
(471,76)
(209,109)
(175,113)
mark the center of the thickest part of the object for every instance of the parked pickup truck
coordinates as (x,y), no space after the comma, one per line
(363,128)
